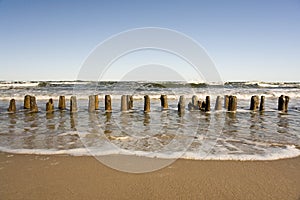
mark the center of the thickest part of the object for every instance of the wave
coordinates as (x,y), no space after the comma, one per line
(146,84)
(30,84)
(155,95)
(289,151)
(18,84)
(258,84)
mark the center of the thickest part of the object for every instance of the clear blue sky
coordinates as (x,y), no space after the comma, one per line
(248,40)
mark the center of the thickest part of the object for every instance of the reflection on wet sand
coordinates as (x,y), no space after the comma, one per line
(204,123)
(62,120)
(283,123)
(165,121)
(108,125)
(93,122)
(147,119)
(211,132)
(254,126)
(108,117)
(50,123)
(13,117)
(73,121)
(231,124)
(31,119)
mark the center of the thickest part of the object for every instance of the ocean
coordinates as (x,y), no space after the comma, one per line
(214,135)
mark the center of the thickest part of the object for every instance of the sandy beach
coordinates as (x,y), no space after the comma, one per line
(67,177)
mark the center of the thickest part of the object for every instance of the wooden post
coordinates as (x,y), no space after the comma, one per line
(226,101)
(146,103)
(33,105)
(190,106)
(107,103)
(254,103)
(124,103)
(62,103)
(12,106)
(232,104)
(194,104)
(52,102)
(92,101)
(207,104)
(50,106)
(218,105)
(262,103)
(27,102)
(203,106)
(96,102)
(181,104)
(130,103)
(286,103)
(281,103)
(195,101)
(164,101)
(73,104)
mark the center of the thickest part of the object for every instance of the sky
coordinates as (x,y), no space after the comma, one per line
(257,40)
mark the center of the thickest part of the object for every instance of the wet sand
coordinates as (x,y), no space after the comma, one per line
(67,177)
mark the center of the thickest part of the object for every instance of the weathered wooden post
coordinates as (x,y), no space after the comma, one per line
(92,101)
(207,104)
(262,103)
(107,103)
(232,104)
(254,103)
(33,105)
(73,104)
(50,106)
(286,103)
(226,101)
(195,101)
(218,105)
(12,106)
(194,104)
(146,103)
(164,101)
(130,103)
(62,103)
(27,102)
(203,106)
(181,104)
(281,103)
(124,103)
(96,102)
(52,102)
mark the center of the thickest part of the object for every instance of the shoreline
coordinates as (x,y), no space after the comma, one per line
(244,158)
(24,176)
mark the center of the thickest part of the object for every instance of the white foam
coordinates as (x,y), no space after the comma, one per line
(70,83)
(69,133)
(18,85)
(289,152)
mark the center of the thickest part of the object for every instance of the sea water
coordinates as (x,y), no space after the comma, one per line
(215,135)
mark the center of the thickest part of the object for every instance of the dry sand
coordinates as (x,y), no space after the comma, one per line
(67,177)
